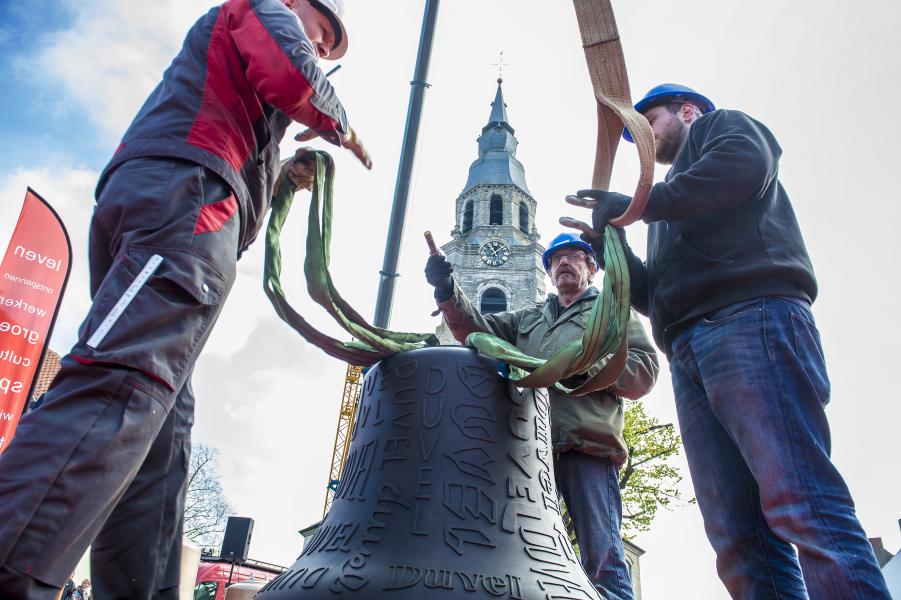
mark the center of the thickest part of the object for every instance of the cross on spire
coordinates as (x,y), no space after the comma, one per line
(500,64)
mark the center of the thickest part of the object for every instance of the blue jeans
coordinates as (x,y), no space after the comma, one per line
(590,487)
(750,384)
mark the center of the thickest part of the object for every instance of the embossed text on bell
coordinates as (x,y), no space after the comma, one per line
(447,491)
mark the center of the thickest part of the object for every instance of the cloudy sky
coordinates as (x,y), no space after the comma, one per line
(822,74)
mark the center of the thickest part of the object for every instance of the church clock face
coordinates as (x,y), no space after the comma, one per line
(494,253)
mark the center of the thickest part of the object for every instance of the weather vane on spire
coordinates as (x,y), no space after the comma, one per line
(500,64)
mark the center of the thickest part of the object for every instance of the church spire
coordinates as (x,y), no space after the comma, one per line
(498,109)
(497,163)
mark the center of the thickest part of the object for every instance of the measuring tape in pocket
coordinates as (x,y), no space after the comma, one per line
(149,269)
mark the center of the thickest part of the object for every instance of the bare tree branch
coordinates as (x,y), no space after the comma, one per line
(206,508)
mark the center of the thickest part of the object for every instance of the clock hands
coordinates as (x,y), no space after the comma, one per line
(495,253)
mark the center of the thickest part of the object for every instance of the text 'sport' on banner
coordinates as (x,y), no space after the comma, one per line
(33,275)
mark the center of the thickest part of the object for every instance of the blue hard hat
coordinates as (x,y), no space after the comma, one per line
(567,240)
(670,92)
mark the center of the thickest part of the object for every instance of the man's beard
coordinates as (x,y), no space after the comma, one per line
(669,143)
(572,281)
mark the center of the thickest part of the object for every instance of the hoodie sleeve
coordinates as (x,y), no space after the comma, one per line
(738,158)
(638,280)
(280,63)
(640,373)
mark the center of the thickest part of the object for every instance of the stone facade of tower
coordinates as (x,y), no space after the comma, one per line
(495,249)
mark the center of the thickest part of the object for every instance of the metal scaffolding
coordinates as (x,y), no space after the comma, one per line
(346,417)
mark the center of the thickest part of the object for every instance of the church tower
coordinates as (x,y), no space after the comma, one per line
(495,249)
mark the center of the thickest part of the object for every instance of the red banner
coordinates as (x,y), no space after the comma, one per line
(33,276)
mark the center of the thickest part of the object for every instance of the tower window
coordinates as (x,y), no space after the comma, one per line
(523,217)
(497,211)
(494,300)
(467,216)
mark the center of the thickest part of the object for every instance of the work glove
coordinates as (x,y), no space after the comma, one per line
(604,206)
(349,140)
(300,169)
(438,273)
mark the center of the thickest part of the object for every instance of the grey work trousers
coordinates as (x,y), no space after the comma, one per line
(104,459)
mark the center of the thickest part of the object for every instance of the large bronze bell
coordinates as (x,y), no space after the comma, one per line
(447,492)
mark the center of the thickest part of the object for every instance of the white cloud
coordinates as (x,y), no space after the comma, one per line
(270,405)
(112,57)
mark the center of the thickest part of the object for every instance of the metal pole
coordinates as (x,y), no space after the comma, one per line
(405,168)
(231,571)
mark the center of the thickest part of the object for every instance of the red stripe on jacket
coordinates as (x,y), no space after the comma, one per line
(245,64)
(224,123)
(270,70)
(214,215)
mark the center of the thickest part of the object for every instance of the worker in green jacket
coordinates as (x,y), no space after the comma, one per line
(587,431)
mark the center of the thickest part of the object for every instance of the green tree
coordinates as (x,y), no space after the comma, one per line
(648,481)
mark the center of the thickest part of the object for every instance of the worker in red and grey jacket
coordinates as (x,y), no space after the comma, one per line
(103,462)
(247,70)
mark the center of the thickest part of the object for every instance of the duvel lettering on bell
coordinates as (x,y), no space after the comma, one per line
(448,492)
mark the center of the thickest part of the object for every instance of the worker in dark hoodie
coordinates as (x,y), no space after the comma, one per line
(728,287)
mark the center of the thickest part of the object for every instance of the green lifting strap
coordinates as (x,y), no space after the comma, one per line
(372,343)
(599,356)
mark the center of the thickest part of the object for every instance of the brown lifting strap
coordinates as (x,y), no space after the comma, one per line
(607,68)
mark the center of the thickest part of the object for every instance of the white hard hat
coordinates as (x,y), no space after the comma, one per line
(334,10)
